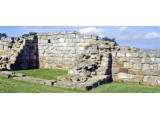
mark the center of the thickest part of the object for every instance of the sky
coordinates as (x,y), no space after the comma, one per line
(145,37)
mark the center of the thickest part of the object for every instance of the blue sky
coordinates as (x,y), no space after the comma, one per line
(147,37)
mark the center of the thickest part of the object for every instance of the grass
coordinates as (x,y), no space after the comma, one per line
(117,87)
(16,86)
(48,74)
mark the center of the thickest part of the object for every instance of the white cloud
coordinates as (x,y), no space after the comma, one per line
(123,28)
(92,30)
(152,35)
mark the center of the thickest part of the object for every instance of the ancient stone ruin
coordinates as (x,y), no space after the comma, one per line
(90,60)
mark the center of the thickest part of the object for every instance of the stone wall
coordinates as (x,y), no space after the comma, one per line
(59,49)
(4,46)
(89,59)
(27,56)
(135,65)
(90,68)
(19,53)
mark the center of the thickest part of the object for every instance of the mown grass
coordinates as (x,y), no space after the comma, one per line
(117,87)
(48,74)
(17,86)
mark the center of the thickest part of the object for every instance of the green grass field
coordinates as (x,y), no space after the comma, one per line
(16,86)
(116,87)
(49,74)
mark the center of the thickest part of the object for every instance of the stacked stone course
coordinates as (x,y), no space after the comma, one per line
(59,49)
(135,65)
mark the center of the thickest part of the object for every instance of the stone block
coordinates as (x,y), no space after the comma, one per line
(152,80)
(115,70)
(145,66)
(148,60)
(132,55)
(137,78)
(121,54)
(137,66)
(128,65)
(123,70)
(123,59)
(135,60)
(151,72)
(62,40)
(114,54)
(135,72)
(118,64)
(123,76)
(158,65)
(7,73)
(143,54)
(157,60)
(104,46)
(154,66)
(63,44)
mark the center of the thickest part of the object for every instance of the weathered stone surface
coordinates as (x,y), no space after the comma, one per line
(148,60)
(123,59)
(7,73)
(137,78)
(124,76)
(152,80)
(129,77)
(152,72)
(132,55)
(115,70)
(137,66)
(123,70)
(135,72)
(135,60)
(128,65)
(121,54)
(145,66)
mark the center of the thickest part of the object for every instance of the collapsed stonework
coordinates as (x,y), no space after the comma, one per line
(18,53)
(90,60)
(87,58)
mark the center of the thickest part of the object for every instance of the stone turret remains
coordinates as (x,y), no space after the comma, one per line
(90,60)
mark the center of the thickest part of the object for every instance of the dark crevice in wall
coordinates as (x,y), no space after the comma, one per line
(110,65)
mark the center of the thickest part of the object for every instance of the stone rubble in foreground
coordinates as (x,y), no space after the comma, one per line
(88,85)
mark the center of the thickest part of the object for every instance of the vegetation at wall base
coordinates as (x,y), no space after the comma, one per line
(48,74)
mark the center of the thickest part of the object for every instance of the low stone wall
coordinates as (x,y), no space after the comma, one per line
(135,65)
